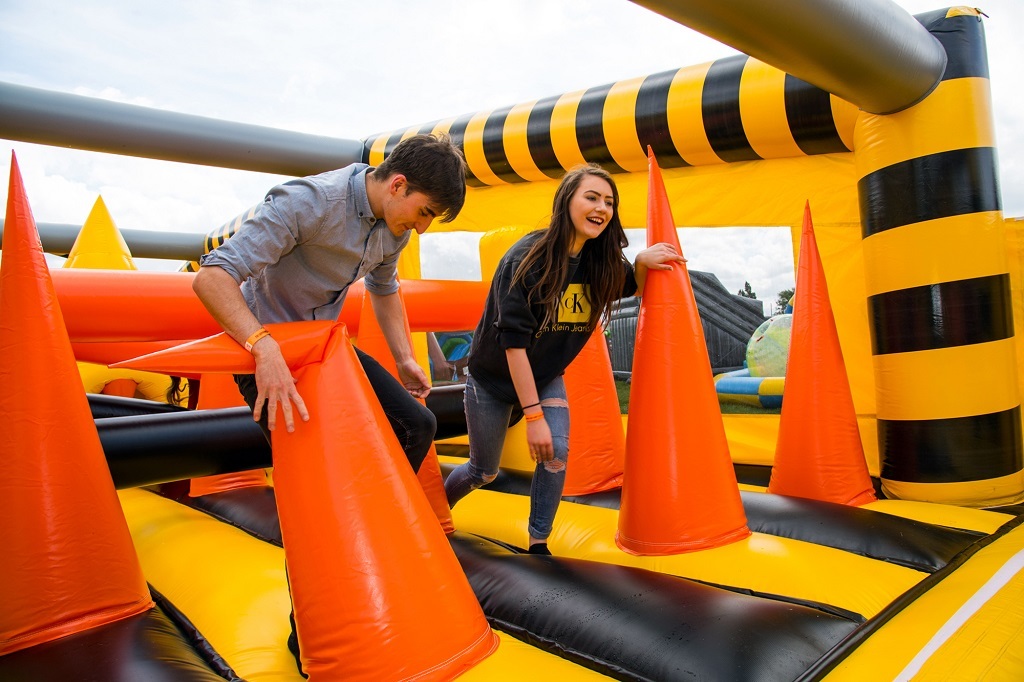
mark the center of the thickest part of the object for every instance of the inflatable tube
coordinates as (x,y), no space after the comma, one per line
(739,387)
(103,406)
(156,448)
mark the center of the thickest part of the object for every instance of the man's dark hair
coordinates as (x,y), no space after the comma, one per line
(433,165)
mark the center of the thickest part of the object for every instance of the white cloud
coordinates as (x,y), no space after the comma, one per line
(350,70)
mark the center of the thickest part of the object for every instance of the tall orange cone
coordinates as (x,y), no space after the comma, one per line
(372,342)
(596,439)
(219,391)
(679,490)
(70,564)
(352,518)
(818,453)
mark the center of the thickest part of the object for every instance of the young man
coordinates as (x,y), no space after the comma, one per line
(308,242)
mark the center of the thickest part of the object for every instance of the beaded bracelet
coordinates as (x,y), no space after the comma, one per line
(256,336)
(534,417)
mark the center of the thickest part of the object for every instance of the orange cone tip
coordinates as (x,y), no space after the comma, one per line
(679,490)
(70,564)
(818,453)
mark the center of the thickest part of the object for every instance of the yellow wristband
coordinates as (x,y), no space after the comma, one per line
(534,417)
(256,336)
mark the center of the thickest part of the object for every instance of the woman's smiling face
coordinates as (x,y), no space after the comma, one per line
(591,207)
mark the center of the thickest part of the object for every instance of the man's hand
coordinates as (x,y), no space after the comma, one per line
(414,378)
(276,386)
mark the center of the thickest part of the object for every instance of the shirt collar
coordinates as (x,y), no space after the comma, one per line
(362,198)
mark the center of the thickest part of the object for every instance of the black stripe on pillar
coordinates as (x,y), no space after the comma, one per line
(538,137)
(651,115)
(590,129)
(954,450)
(457,132)
(809,113)
(963,38)
(720,107)
(941,185)
(494,146)
(946,315)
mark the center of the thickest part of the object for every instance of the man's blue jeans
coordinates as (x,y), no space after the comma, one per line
(487,419)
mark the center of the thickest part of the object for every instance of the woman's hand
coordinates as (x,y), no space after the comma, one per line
(538,436)
(659,256)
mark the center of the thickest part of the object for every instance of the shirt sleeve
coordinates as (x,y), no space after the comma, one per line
(383,279)
(290,214)
(516,323)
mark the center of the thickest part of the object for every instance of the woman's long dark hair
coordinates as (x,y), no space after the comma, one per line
(604,276)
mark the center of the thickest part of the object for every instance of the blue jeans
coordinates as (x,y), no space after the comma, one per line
(411,421)
(487,419)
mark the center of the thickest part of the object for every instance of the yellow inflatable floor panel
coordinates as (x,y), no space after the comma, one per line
(232,587)
(942,514)
(515,661)
(229,584)
(969,627)
(761,562)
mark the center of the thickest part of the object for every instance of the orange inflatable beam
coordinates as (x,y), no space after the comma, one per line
(358,531)
(818,453)
(679,491)
(119,306)
(71,565)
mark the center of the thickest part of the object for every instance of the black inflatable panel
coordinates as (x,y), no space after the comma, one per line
(905,542)
(144,647)
(253,510)
(634,624)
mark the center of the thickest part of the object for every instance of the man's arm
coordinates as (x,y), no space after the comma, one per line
(391,318)
(219,292)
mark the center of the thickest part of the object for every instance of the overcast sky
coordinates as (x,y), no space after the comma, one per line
(347,69)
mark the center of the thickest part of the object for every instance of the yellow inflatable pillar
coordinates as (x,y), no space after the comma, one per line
(939,295)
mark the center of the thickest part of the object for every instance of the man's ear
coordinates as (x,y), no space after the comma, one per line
(397,183)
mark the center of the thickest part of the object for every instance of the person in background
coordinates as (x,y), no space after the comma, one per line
(548,294)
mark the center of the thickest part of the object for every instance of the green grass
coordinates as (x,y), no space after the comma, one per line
(622,389)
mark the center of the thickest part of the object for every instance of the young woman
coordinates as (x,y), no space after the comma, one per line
(548,294)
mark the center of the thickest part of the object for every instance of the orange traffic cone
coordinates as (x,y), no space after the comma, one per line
(352,521)
(70,565)
(220,391)
(679,490)
(596,440)
(818,453)
(372,342)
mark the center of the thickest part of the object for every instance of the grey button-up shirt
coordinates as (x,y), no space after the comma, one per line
(310,239)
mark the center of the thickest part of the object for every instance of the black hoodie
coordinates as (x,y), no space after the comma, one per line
(509,322)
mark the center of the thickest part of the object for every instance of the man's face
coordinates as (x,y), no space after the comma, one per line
(405,210)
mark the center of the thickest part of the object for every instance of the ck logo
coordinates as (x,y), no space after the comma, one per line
(575,305)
